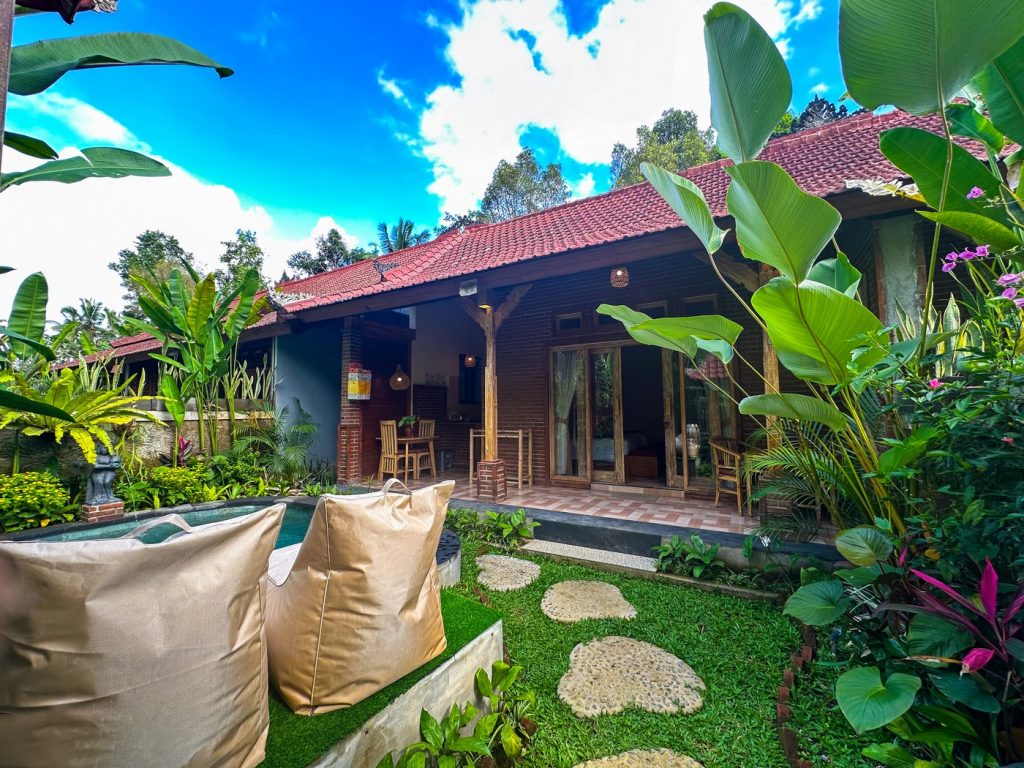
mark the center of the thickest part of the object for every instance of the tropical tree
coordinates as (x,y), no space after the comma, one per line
(34,67)
(675,141)
(331,252)
(399,236)
(452,221)
(199,328)
(94,326)
(153,256)
(241,255)
(522,187)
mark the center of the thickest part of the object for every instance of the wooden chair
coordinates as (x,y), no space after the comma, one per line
(391,461)
(727,460)
(425,428)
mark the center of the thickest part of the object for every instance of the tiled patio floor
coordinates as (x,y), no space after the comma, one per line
(639,507)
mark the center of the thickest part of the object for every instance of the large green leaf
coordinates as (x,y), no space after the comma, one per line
(931,635)
(37,66)
(16,402)
(922,155)
(981,229)
(966,690)
(837,273)
(869,703)
(750,85)
(712,333)
(794,406)
(907,451)
(894,756)
(687,200)
(777,223)
(965,120)
(864,545)
(28,313)
(42,348)
(201,305)
(29,145)
(95,162)
(1002,83)
(816,329)
(917,54)
(818,604)
(242,316)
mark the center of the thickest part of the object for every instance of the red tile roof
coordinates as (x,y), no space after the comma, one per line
(821,160)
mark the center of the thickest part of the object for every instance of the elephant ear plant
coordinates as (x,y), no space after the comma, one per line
(883,410)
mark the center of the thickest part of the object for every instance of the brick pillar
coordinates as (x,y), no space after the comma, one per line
(99,513)
(350,426)
(492,480)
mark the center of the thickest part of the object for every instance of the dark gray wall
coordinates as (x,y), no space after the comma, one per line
(308,366)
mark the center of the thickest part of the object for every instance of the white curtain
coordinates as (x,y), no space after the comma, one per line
(567,375)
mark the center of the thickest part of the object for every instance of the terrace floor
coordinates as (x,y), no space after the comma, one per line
(632,503)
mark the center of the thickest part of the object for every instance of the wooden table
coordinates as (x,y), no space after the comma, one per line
(414,440)
(507,434)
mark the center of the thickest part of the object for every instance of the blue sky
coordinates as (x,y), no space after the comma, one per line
(346,114)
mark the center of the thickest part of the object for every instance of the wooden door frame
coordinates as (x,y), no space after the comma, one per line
(616,476)
(574,481)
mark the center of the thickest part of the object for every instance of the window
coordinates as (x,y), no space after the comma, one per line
(469,382)
(700,305)
(569,322)
(654,309)
(603,321)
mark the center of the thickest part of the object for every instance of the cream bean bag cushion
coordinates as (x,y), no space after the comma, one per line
(119,654)
(357,605)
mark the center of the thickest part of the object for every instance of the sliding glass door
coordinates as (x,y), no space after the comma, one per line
(606,455)
(569,406)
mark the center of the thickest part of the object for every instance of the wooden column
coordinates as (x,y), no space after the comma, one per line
(6,32)
(491,478)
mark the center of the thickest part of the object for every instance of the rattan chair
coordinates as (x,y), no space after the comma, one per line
(391,460)
(727,459)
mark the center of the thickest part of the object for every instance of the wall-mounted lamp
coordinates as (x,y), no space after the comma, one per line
(399,380)
(469,361)
(620,277)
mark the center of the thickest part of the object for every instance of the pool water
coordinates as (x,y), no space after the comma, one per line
(293,529)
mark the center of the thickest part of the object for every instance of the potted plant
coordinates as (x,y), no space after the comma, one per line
(406,424)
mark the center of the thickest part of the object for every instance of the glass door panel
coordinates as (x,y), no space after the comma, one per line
(676,466)
(569,397)
(605,382)
(710,412)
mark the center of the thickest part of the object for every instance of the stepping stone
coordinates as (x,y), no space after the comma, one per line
(504,574)
(572,601)
(609,674)
(643,758)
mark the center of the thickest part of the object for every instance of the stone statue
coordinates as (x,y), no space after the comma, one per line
(99,489)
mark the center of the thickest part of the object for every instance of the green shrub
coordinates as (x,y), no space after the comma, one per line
(32,500)
(238,468)
(172,486)
(690,557)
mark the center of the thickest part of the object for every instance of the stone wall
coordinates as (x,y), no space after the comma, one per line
(151,441)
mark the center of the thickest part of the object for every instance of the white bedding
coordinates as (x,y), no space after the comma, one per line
(603,448)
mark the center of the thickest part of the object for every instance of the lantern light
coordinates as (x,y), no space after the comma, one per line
(469,361)
(399,380)
(620,277)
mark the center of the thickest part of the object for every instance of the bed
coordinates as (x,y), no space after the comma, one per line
(603,448)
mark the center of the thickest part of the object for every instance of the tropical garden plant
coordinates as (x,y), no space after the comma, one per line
(909,433)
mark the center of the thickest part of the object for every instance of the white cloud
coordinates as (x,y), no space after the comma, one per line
(809,11)
(584,187)
(639,59)
(70,232)
(820,88)
(90,124)
(393,89)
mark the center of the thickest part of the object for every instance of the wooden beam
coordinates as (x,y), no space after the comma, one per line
(770,364)
(6,32)
(732,268)
(489,320)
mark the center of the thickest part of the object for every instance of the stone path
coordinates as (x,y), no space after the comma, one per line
(643,758)
(572,601)
(589,554)
(609,674)
(504,574)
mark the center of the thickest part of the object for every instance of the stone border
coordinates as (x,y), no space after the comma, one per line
(783,713)
(398,725)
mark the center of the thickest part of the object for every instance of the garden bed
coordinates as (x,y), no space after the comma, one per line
(296,741)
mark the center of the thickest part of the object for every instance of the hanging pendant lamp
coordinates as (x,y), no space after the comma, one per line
(399,379)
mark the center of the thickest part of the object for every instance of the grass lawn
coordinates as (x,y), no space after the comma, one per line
(296,741)
(738,647)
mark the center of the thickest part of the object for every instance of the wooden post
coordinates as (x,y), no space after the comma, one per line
(770,364)
(490,471)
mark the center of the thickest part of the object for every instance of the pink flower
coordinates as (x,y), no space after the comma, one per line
(934,383)
(1010,278)
(982,251)
(1008,440)
(1019,303)
(1009,293)
(976,660)
(949,266)
(968,255)
(975,193)
(952,256)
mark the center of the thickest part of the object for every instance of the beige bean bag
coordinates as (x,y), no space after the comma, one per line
(357,605)
(120,654)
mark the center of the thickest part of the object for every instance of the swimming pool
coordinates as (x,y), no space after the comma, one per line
(293,529)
